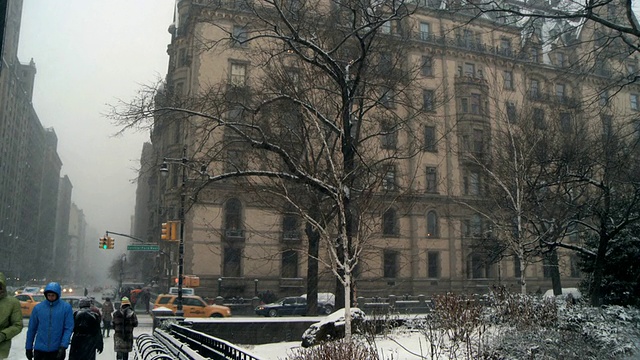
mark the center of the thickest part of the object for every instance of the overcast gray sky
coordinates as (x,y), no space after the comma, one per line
(88,53)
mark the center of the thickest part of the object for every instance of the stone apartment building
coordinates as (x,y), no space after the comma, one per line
(472,71)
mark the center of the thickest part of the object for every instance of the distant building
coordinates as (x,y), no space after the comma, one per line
(29,166)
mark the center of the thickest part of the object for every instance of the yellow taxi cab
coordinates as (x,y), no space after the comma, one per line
(192,305)
(28,302)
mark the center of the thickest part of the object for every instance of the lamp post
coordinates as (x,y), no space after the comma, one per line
(164,170)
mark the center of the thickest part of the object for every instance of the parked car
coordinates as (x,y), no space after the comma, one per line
(326,302)
(74,301)
(192,305)
(292,305)
(28,302)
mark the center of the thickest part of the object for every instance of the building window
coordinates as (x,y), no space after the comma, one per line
(432,180)
(470,69)
(534,89)
(427,66)
(425,31)
(607,126)
(505,47)
(233,218)
(561,92)
(561,60)
(428,100)
(387,97)
(632,69)
(430,138)
(472,227)
(238,74)
(386,28)
(508,80)
(538,118)
(389,179)
(534,54)
(390,223)
(232,262)
(433,264)
(289,264)
(565,122)
(390,264)
(236,161)
(386,63)
(471,183)
(476,104)
(603,99)
(239,36)
(633,98)
(290,227)
(478,142)
(481,268)
(389,135)
(512,113)
(432,224)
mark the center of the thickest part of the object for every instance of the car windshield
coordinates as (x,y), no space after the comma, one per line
(38,298)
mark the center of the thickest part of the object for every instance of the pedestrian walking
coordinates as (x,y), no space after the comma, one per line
(145,298)
(86,338)
(50,327)
(10,318)
(107,316)
(124,320)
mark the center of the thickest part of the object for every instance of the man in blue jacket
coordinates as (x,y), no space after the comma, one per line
(50,325)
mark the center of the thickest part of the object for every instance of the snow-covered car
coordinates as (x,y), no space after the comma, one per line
(575,293)
(332,327)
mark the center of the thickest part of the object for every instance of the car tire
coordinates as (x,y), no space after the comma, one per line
(216,315)
(273,313)
(328,309)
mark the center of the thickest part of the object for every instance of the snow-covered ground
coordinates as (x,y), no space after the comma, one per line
(18,342)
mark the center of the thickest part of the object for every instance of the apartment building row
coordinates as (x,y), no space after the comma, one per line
(460,75)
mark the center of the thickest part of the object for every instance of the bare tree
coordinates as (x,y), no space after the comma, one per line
(331,110)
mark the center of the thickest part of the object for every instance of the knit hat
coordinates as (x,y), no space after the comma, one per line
(84,303)
(125,301)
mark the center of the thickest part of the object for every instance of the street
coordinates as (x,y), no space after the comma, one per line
(145,325)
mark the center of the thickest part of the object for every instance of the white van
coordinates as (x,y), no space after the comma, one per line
(185,291)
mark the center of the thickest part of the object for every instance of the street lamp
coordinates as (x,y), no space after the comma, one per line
(164,171)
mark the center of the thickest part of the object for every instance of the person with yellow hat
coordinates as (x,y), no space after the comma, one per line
(124,320)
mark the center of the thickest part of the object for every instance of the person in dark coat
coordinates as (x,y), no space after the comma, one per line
(86,338)
(107,316)
(50,326)
(124,320)
(10,318)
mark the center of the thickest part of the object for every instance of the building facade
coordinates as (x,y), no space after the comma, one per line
(472,73)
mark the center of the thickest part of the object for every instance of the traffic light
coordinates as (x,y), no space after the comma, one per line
(103,243)
(109,242)
(169,230)
(165,233)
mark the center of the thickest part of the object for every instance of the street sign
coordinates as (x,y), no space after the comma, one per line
(143,247)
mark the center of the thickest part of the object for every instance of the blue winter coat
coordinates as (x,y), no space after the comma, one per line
(50,324)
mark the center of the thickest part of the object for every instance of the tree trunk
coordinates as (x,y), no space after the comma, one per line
(347,307)
(555,271)
(598,272)
(312,269)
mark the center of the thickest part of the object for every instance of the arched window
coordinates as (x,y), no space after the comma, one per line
(233,218)
(390,222)
(432,224)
